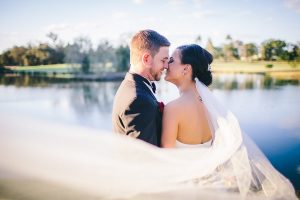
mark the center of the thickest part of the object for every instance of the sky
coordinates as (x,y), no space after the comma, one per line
(181,21)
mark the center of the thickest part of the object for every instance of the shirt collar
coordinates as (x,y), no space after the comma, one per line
(149,84)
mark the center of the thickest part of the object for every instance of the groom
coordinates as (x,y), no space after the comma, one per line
(136,111)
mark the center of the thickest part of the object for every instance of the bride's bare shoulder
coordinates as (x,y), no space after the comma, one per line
(175,105)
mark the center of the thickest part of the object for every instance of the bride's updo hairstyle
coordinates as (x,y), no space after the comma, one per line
(199,59)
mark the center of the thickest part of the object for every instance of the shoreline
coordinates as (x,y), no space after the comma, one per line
(63,72)
(119,76)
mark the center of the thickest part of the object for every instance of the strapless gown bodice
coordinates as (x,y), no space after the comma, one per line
(203,145)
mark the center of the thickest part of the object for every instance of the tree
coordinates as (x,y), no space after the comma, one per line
(79,53)
(213,50)
(13,56)
(53,37)
(228,38)
(37,56)
(230,52)
(105,53)
(59,53)
(85,48)
(31,57)
(198,39)
(40,55)
(275,50)
(123,53)
(84,44)
(291,52)
(298,51)
(249,51)
(17,53)
(85,64)
(6,58)
(72,54)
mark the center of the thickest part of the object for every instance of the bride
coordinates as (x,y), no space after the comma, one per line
(213,158)
(197,120)
(184,121)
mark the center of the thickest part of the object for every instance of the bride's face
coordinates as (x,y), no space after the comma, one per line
(175,68)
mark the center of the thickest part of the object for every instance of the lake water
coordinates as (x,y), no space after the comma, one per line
(268,109)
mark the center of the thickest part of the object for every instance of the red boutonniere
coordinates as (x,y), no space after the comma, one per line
(161,106)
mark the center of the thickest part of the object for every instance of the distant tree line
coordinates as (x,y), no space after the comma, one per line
(106,56)
(81,52)
(269,50)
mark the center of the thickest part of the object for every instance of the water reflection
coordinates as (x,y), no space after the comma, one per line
(249,81)
(92,102)
(87,97)
(271,118)
(30,81)
(220,81)
(82,103)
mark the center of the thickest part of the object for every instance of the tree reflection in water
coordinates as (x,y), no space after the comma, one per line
(88,96)
(249,81)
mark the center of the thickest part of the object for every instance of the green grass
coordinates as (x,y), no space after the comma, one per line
(58,68)
(254,67)
(278,70)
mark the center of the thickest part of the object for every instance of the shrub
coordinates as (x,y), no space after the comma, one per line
(269,65)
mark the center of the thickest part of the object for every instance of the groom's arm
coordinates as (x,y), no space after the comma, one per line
(140,121)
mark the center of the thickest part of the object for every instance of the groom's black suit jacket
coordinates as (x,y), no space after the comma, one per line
(135,110)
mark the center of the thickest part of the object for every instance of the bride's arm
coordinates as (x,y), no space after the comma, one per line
(169,126)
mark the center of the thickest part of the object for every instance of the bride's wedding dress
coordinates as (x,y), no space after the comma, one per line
(183,145)
(113,166)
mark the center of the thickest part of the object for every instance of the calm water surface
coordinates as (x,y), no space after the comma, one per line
(268,109)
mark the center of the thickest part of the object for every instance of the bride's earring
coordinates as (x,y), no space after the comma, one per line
(185,70)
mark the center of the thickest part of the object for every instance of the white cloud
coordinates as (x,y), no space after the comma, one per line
(198,2)
(204,14)
(150,19)
(10,39)
(72,30)
(120,14)
(293,4)
(96,31)
(175,4)
(68,32)
(138,1)
(244,13)
(269,19)
(57,27)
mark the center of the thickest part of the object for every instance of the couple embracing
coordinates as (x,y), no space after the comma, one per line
(136,111)
(219,157)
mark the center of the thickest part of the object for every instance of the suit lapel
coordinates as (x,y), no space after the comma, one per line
(140,82)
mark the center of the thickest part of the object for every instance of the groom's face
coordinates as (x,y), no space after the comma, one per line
(159,63)
(174,72)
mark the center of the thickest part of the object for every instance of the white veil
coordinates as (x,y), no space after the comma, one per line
(253,174)
(78,163)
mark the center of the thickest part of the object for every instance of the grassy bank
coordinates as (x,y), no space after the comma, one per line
(277,70)
(61,72)
(56,68)
(217,66)
(254,67)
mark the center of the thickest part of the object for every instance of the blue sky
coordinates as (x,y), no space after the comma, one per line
(24,21)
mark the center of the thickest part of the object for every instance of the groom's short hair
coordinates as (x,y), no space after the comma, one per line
(146,40)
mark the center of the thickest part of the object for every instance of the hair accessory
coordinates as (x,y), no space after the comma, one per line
(209,68)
